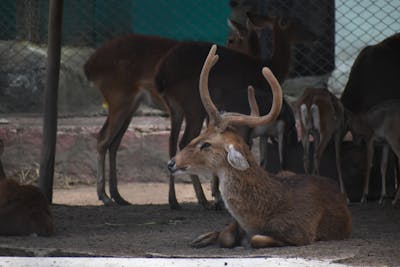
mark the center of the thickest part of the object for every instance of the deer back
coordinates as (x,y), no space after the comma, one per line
(374,76)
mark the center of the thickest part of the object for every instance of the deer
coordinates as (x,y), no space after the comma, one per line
(267,210)
(123,70)
(24,209)
(380,124)
(374,77)
(177,77)
(322,116)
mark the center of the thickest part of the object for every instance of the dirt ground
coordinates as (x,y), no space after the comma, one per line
(148,228)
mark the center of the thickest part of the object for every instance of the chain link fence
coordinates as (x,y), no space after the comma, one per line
(343,29)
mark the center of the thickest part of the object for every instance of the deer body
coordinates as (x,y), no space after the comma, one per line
(322,116)
(374,76)
(269,211)
(23,208)
(380,124)
(123,69)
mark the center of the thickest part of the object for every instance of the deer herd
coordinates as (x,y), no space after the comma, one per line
(239,96)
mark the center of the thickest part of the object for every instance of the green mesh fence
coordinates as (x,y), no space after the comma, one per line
(343,29)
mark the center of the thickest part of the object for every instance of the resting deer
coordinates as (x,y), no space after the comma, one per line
(321,116)
(23,208)
(380,124)
(268,210)
(177,79)
(123,69)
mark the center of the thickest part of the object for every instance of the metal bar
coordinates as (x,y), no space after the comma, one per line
(46,172)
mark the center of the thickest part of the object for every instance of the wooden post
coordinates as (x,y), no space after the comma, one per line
(46,172)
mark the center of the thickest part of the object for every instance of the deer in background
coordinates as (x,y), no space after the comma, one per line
(23,208)
(380,124)
(374,77)
(177,81)
(123,69)
(285,33)
(268,210)
(321,116)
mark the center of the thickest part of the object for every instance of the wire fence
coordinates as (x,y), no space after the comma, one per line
(343,28)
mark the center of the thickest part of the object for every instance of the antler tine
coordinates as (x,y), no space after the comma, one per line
(254,111)
(253,121)
(212,111)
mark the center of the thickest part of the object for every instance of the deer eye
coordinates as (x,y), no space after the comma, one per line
(204,145)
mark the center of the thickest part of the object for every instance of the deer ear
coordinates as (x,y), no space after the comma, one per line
(236,159)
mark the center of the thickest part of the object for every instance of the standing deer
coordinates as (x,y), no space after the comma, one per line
(23,208)
(177,79)
(374,77)
(322,116)
(268,210)
(380,124)
(123,69)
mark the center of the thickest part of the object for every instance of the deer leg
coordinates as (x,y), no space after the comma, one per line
(219,203)
(176,117)
(263,241)
(394,143)
(281,130)
(115,195)
(370,155)
(102,148)
(338,141)
(263,151)
(228,238)
(109,139)
(384,162)
(319,147)
(306,152)
(397,195)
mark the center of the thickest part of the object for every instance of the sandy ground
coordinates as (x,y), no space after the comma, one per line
(148,228)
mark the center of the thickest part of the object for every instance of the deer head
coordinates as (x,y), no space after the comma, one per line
(220,147)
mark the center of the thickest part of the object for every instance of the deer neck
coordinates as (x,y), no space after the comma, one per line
(243,191)
(281,53)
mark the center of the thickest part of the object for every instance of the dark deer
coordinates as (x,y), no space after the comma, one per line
(177,80)
(123,69)
(268,210)
(321,116)
(374,77)
(379,124)
(23,208)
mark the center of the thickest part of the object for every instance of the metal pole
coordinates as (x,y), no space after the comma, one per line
(46,172)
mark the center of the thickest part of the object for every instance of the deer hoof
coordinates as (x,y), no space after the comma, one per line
(174,205)
(205,240)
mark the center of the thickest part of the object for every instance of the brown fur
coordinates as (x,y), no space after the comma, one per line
(374,76)
(123,69)
(294,210)
(272,211)
(23,210)
(382,124)
(177,80)
(327,125)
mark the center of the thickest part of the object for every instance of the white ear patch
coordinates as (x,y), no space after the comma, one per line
(236,159)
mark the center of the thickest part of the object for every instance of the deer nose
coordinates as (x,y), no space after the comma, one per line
(171,165)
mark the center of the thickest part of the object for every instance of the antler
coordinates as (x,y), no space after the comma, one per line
(227,119)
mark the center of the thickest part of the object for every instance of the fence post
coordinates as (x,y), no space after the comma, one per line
(46,172)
